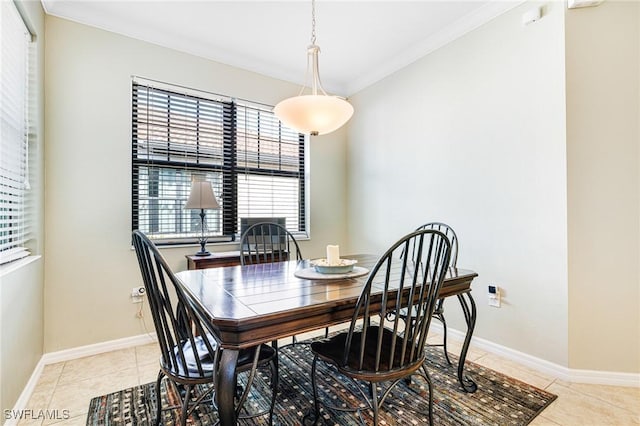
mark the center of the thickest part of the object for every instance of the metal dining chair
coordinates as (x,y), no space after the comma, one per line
(438,313)
(379,348)
(268,242)
(189,348)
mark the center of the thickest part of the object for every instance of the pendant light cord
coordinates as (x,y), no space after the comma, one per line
(312,60)
(318,113)
(313,22)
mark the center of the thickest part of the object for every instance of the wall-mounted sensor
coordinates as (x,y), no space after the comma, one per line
(531,15)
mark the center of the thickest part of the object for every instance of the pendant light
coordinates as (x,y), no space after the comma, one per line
(317,113)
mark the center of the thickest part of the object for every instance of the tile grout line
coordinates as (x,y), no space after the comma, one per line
(55,387)
(599,399)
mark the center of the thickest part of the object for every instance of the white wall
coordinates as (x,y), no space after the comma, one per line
(90,267)
(474,135)
(603,148)
(21,328)
(21,289)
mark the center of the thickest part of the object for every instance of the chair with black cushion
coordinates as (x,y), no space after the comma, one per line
(380,348)
(189,348)
(438,313)
(268,242)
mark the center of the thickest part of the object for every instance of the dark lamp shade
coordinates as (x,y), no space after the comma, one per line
(201,196)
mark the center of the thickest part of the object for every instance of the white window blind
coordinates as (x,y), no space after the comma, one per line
(270,168)
(14,92)
(255,164)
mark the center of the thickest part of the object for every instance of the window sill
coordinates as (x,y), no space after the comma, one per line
(220,245)
(8,268)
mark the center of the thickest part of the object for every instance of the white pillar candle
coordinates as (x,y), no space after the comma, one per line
(333,255)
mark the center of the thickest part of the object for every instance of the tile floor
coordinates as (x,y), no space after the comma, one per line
(71,385)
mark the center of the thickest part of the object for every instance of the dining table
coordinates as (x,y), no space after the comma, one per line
(254,304)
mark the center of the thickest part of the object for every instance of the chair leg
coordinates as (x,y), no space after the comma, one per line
(444,337)
(374,402)
(274,388)
(252,374)
(316,403)
(274,345)
(185,405)
(430,386)
(158,398)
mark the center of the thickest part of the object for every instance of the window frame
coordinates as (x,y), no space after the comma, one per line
(229,169)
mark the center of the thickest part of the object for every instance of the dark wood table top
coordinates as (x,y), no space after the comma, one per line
(255,304)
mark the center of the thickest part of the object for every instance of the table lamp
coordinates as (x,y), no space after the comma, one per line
(202,197)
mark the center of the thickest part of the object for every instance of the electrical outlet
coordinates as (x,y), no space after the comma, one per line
(137,293)
(494,296)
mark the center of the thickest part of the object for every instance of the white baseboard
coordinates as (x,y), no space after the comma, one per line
(68,355)
(97,348)
(558,371)
(25,395)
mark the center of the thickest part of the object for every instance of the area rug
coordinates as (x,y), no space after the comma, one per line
(499,400)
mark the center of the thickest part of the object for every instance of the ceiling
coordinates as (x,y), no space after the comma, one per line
(361,41)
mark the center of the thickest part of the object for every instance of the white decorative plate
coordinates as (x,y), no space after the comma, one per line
(312,274)
(323,267)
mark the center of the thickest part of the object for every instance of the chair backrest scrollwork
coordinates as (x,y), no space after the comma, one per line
(396,282)
(268,242)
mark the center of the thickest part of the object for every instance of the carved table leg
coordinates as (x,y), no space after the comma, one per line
(226,386)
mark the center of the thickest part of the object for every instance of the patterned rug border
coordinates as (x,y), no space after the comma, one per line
(500,399)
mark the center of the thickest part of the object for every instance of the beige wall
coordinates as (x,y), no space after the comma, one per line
(548,208)
(90,267)
(21,290)
(603,137)
(474,135)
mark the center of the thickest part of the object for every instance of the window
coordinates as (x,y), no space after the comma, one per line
(255,164)
(14,134)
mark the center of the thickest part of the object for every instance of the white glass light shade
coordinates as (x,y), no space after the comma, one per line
(201,196)
(314,114)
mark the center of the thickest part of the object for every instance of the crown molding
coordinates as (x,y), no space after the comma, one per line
(452,32)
